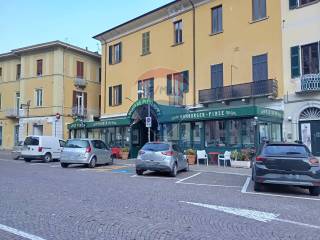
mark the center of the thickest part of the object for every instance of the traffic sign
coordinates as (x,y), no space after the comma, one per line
(148,122)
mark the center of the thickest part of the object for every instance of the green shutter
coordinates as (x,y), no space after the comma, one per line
(169,84)
(110,96)
(293,4)
(295,61)
(120,52)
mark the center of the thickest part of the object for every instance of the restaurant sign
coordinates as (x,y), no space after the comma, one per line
(100,124)
(141,102)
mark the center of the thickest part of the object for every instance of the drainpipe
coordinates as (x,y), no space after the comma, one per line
(194,50)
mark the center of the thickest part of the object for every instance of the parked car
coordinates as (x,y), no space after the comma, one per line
(85,151)
(161,157)
(16,151)
(46,148)
(286,164)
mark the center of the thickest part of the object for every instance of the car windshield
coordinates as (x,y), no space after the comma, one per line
(77,144)
(31,141)
(156,147)
(299,150)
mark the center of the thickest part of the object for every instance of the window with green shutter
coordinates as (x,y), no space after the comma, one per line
(145,43)
(295,61)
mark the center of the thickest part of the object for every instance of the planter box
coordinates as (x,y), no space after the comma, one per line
(124,155)
(240,164)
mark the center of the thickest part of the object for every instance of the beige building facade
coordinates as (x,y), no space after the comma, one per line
(45,87)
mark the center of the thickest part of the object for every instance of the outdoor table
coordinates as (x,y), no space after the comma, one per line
(214,156)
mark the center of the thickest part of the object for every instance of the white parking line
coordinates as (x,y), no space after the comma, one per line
(194,175)
(228,173)
(209,185)
(153,177)
(246,184)
(19,233)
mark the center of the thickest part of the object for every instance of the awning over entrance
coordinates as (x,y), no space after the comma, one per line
(171,114)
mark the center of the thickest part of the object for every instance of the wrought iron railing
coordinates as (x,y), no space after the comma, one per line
(80,82)
(310,82)
(12,113)
(79,111)
(239,91)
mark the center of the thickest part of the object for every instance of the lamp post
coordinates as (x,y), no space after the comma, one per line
(27,106)
(148,126)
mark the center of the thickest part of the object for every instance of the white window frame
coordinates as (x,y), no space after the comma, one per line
(39,101)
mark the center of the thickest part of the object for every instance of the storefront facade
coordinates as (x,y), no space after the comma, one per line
(211,129)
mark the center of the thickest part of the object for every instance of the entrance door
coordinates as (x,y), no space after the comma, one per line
(310,135)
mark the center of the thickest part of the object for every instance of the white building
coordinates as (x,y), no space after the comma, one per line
(301,63)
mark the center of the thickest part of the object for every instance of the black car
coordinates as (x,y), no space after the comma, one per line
(286,164)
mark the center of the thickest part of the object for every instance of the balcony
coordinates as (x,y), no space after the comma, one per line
(79,112)
(80,82)
(309,83)
(263,88)
(13,113)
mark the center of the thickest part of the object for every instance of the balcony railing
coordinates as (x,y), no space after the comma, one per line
(240,91)
(79,112)
(80,82)
(13,113)
(309,83)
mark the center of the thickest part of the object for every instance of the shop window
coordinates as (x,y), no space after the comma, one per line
(234,127)
(126,136)
(275,132)
(171,132)
(111,137)
(264,132)
(247,132)
(196,128)
(216,133)
(185,135)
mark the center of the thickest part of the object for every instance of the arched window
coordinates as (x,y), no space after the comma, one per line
(311,113)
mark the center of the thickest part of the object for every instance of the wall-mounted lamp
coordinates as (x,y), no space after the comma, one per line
(290,119)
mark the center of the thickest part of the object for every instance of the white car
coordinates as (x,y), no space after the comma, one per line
(46,148)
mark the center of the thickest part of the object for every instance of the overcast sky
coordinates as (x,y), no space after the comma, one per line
(28,22)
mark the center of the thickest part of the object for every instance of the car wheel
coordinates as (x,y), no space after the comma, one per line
(47,158)
(257,186)
(174,170)
(27,160)
(139,172)
(314,191)
(64,165)
(252,175)
(92,163)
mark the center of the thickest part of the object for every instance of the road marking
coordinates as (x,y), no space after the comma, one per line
(229,173)
(12,160)
(246,184)
(209,185)
(194,175)
(251,214)
(19,233)
(284,196)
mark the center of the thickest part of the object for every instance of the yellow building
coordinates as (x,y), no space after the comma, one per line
(208,73)
(45,87)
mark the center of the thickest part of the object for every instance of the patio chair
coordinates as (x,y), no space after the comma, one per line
(224,158)
(201,154)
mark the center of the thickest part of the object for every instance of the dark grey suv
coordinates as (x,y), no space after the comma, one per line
(286,164)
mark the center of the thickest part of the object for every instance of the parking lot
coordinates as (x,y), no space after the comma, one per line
(45,201)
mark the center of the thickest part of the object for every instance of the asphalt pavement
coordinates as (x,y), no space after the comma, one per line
(43,201)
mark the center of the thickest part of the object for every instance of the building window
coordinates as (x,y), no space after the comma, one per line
(145,43)
(0,72)
(310,58)
(115,53)
(0,135)
(146,88)
(39,97)
(260,67)
(178,32)
(177,85)
(115,95)
(217,75)
(217,19)
(300,3)
(80,70)
(39,67)
(18,71)
(79,103)
(259,9)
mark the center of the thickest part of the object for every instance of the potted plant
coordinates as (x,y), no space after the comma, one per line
(240,159)
(125,153)
(191,156)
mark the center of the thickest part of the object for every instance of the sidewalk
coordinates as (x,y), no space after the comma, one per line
(200,168)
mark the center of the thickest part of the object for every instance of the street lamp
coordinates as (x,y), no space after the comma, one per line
(148,126)
(26,106)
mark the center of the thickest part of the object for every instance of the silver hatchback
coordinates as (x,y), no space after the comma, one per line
(85,151)
(161,157)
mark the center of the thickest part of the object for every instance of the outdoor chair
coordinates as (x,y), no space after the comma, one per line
(226,157)
(201,154)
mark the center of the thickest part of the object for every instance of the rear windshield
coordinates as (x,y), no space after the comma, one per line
(286,150)
(156,147)
(31,141)
(77,144)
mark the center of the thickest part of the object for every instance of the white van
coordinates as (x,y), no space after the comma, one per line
(46,148)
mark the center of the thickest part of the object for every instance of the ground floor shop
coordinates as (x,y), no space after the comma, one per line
(211,129)
(302,122)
